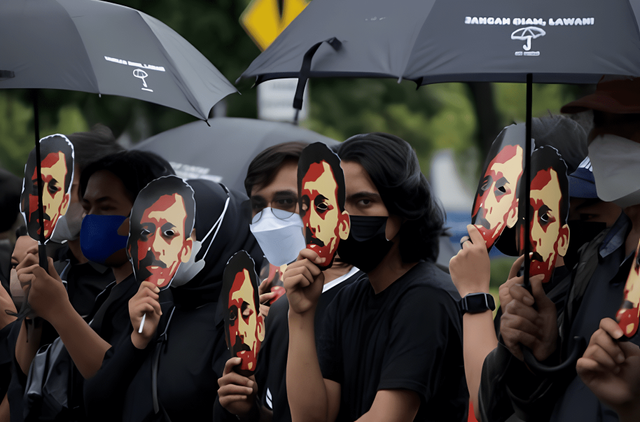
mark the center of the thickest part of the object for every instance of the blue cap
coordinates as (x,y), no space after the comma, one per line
(581,182)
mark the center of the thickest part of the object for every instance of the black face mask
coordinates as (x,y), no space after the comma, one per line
(366,245)
(580,232)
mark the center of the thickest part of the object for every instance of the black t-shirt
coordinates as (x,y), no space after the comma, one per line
(272,360)
(408,336)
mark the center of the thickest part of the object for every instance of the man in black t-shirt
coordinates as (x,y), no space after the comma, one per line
(391,343)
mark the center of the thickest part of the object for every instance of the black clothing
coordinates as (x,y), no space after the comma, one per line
(506,384)
(272,360)
(408,336)
(84,282)
(190,349)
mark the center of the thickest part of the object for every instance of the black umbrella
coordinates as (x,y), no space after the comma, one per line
(222,151)
(430,41)
(102,48)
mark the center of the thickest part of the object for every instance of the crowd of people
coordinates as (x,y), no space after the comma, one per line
(370,327)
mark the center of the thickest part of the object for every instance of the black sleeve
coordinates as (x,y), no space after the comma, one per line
(7,350)
(104,393)
(507,386)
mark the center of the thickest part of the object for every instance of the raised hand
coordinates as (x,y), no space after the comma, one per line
(471,268)
(144,302)
(504,292)
(303,281)
(525,324)
(236,393)
(46,293)
(611,369)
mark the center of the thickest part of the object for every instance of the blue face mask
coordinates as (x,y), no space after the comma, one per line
(99,238)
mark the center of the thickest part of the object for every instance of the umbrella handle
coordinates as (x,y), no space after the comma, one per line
(42,257)
(576,352)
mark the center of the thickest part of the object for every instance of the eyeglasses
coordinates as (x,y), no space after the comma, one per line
(282,206)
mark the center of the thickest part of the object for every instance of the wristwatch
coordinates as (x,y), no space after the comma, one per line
(476,303)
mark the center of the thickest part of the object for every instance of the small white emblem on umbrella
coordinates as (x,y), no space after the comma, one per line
(141,74)
(526,34)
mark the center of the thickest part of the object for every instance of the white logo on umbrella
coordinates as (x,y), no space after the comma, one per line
(526,34)
(141,74)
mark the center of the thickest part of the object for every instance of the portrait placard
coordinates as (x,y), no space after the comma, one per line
(161,224)
(321,188)
(244,327)
(57,163)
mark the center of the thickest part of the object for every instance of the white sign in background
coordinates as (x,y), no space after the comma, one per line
(275,100)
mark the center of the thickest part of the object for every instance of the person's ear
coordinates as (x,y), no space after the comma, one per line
(260,328)
(563,240)
(344,225)
(187,248)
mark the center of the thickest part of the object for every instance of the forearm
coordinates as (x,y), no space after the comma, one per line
(479,339)
(27,345)
(306,390)
(84,345)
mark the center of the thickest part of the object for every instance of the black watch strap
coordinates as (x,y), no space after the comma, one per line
(475,303)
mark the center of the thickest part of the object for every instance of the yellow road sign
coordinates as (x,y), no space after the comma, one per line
(264,20)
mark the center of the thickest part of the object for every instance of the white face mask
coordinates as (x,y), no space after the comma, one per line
(616,169)
(16,289)
(68,226)
(188,270)
(280,239)
(191,268)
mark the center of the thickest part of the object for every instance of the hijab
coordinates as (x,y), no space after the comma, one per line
(219,241)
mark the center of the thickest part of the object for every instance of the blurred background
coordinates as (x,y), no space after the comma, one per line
(450,125)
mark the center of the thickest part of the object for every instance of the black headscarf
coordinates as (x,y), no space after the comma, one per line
(233,235)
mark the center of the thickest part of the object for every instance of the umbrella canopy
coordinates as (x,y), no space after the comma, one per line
(104,48)
(431,41)
(222,152)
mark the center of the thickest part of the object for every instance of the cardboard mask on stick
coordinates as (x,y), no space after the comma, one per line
(161,224)
(549,210)
(629,314)
(495,207)
(57,155)
(244,327)
(322,198)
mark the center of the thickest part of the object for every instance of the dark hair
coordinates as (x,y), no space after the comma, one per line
(265,166)
(133,167)
(241,259)
(93,145)
(170,185)
(48,145)
(393,167)
(545,158)
(319,152)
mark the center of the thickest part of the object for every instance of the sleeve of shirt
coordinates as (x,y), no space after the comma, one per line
(328,345)
(104,393)
(421,326)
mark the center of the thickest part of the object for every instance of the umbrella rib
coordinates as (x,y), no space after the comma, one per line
(180,81)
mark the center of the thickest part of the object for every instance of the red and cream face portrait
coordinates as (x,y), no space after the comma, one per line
(322,196)
(629,315)
(244,326)
(496,202)
(162,221)
(56,153)
(548,210)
